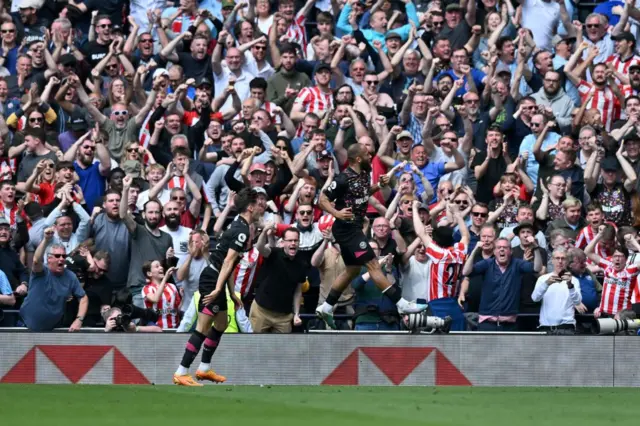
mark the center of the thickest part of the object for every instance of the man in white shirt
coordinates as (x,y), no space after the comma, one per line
(560,294)
(230,72)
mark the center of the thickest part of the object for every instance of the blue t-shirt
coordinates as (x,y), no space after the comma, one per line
(477,76)
(590,297)
(44,305)
(5,286)
(91,182)
(433,171)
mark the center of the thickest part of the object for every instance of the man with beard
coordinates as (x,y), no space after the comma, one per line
(148,242)
(92,174)
(212,306)
(351,191)
(502,277)
(255,61)
(553,97)
(279,283)
(489,166)
(604,93)
(284,85)
(517,129)
(50,287)
(90,270)
(196,64)
(112,236)
(179,234)
(633,88)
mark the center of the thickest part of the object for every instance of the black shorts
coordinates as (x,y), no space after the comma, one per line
(354,245)
(219,304)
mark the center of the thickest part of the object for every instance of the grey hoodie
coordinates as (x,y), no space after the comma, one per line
(561,104)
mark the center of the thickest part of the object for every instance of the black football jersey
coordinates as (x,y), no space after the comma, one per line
(351,189)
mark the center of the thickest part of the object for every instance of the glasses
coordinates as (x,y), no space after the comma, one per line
(371,82)
(104,26)
(260,47)
(146,40)
(634,71)
(529,107)
(445,190)
(132,149)
(89,148)
(437,24)
(112,67)
(535,124)
(174,81)
(58,256)
(472,101)
(8,31)
(36,119)
(461,202)
(479,214)
(120,112)
(593,25)
(305,212)
(49,166)
(178,198)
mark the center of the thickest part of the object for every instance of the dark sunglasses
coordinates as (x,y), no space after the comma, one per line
(178,198)
(8,31)
(49,166)
(437,24)
(146,40)
(593,25)
(90,148)
(36,119)
(478,214)
(371,83)
(260,47)
(58,256)
(112,67)
(536,124)
(104,26)
(305,212)
(461,202)
(132,149)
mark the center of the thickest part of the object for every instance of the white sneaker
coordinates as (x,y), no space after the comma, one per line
(326,316)
(406,307)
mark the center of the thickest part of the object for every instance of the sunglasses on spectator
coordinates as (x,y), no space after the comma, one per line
(371,82)
(146,40)
(178,198)
(445,190)
(479,214)
(437,24)
(112,66)
(593,25)
(472,101)
(634,71)
(260,47)
(104,26)
(58,256)
(461,202)
(90,148)
(535,124)
(8,31)
(36,119)
(49,166)
(305,212)
(132,149)
(121,112)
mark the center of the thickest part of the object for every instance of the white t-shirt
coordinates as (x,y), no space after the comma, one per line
(542,18)
(415,280)
(164,196)
(180,239)
(221,81)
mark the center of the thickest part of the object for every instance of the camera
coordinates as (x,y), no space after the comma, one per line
(424,321)
(614,326)
(129,312)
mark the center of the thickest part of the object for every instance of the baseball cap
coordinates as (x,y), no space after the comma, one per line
(35,4)
(635,65)
(625,35)
(78,123)
(132,168)
(160,71)
(324,154)
(258,167)
(392,34)
(260,190)
(557,39)
(453,7)
(228,3)
(610,164)
(203,81)
(68,60)
(322,66)
(404,135)
(4,222)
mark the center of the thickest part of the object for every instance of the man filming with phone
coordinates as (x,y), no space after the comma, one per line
(560,294)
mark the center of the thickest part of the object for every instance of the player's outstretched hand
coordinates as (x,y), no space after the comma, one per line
(345,214)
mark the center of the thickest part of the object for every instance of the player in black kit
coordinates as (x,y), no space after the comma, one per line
(351,190)
(212,307)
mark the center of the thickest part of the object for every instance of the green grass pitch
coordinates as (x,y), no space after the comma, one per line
(71,405)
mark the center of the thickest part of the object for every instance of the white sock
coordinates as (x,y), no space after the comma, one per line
(325,307)
(181,371)
(204,367)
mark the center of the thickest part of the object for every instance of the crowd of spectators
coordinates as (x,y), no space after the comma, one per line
(128,128)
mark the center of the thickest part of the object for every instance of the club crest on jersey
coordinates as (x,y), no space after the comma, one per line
(363,245)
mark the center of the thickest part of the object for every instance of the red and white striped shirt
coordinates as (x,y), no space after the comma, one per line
(296,33)
(622,66)
(144,136)
(445,269)
(603,100)
(11,215)
(627,91)
(245,272)
(313,100)
(168,305)
(617,287)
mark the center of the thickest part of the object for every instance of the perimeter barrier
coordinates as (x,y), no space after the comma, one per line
(327,359)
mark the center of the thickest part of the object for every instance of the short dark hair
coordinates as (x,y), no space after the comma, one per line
(501,42)
(324,18)
(291,229)
(245,198)
(111,191)
(622,249)
(153,200)
(288,48)
(593,206)
(637,98)
(6,182)
(181,150)
(314,132)
(35,132)
(258,83)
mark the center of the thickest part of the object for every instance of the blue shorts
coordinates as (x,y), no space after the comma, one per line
(449,306)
